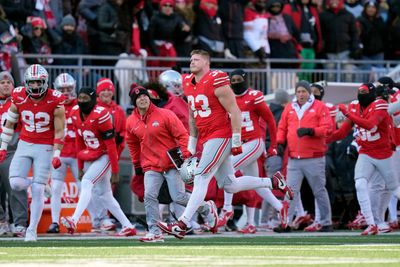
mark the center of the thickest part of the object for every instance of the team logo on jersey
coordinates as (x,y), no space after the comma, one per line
(246,102)
(155,124)
(312,110)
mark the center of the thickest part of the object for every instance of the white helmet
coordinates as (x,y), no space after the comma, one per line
(187,170)
(36,72)
(172,81)
(65,80)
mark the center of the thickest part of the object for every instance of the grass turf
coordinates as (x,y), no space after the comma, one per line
(215,251)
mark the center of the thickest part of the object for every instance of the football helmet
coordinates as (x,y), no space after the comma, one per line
(66,84)
(172,81)
(36,72)
(187,170)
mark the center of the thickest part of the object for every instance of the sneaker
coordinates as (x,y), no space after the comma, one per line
(384,228)
(152,238)
(30,235)
(371,230)
(313,227)
(107,225)
(4,228)
(19,231)
(127,231)
(394,225)
(69,224)
(54,228)
(300,220)
(177,229)
(212,217)
(278,182)
(358,223)
(326,229)
(248,229)
(283,214)
(224,217)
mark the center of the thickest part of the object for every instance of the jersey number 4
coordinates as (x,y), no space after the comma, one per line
(201,100)
(36,122)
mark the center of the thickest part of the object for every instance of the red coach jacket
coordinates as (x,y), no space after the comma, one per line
(316,116)
(150,136)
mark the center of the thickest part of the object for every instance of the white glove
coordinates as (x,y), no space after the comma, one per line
(192,145)
(143,53)
(228,54)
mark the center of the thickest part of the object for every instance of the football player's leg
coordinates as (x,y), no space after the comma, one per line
(19,168)
(387,169)
(295,178)
(363,171)
(57,185)
(41,171)
(152,184)
(376,188)
(215,151)
(176,187)
(104,191)
(314,170)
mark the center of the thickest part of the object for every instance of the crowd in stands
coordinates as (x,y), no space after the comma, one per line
(308,29)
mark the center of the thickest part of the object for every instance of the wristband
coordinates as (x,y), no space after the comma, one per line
(236,140)
(58,141)
(56,153)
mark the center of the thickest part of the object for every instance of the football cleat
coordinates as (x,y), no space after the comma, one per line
(107,225)
(54,228)
(224,217)
(127,231)
(69,224)
(370,230)
(283,214)
(299,220)
(314,227)
(19,231)
(248,229)
(212,217)
(30,235)
(394,225)
(177,229)
(4,228)
(278,182)
(384,228)
(152,238)
(358,223)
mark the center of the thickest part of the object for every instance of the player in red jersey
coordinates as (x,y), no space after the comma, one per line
(373,126)
(65,84)
(215,120)
(97,152)
(41,112)
(253,108)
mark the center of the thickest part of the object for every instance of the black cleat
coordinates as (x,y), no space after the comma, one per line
(54,229)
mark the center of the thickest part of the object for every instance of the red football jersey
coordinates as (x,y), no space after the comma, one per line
(253,107)
(37,118)
(375,142)
(212,120)
(69,148)
(396,129)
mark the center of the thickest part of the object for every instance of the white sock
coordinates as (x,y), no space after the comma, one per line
(269,197)
(364,201)
(37,205)
(110,203)
(196,198)
(299,206)
(84,199)
(317,213)
(228,201)
(55,203)
(393,209)
(250,215)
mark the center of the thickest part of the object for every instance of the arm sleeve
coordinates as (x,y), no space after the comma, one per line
(80,145)
(265,113)
(394,107)
(133,143)
(340,133)
(121,131)
(104,126)
(369,123)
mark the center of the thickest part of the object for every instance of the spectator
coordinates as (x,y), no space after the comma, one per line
(232,16)
(303,128)
(373,35)
(306,19)
(283,35)
(340,37)
(354,7)
(18,11)
(9,39)
(256,29)
(36,41)
(394,32)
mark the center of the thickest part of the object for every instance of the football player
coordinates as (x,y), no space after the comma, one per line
(41,112)
(211,101)
(97,160)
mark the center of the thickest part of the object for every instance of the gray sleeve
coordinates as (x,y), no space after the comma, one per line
(394,107)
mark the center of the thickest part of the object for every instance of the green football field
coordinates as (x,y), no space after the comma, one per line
(270,250)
